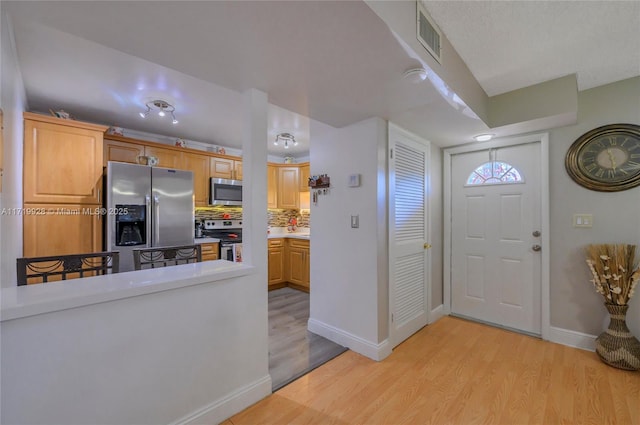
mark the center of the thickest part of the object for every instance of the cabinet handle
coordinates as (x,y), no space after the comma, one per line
(99,197)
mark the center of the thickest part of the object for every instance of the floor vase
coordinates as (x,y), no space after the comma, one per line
(617,346)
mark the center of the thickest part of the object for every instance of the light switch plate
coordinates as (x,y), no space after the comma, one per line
(355,221)
(354,180)
(582,220)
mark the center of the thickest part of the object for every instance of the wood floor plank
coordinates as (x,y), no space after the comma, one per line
(458,372)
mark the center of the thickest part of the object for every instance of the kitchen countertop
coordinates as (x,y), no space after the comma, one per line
(205,240)
(29,300)
(293,235)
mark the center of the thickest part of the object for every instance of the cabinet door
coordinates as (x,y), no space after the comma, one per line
(276,262)
(272,186)
(221,168)
(304,178)
(61,229)
(237,170)
(62,164)
(167,158)
(209,251)
(288,193)
(122,152)
(296,266)
(199,165)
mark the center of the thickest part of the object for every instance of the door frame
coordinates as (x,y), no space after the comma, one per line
(543,139)
(393,128)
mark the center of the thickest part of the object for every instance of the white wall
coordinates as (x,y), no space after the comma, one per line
(437,225)
(187,353)
(349,290)
(616,216)
(13,103)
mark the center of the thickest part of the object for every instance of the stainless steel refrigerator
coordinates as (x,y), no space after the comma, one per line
(147,207)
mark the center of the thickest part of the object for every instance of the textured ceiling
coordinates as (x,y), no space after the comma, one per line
(508,45)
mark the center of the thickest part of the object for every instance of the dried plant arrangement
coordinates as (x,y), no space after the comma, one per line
(615,271)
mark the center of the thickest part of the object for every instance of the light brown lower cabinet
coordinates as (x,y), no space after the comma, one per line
(209,251)
(289,264)
(297,270)
(276,263)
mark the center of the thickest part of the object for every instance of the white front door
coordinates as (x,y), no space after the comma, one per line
(408,234)
(495,236)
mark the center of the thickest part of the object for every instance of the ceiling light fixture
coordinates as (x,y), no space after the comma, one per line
(285,139)
(415,75)
(162,107)
(483,137)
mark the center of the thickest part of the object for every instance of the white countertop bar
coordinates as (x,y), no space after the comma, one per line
(30,300)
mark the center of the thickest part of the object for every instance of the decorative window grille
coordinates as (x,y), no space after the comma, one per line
(494,172)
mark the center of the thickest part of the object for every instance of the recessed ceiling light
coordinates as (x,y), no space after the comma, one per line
(415,75)
(483,137)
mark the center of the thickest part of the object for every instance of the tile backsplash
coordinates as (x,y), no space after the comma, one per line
(280,218)
(276,218)
(216,213)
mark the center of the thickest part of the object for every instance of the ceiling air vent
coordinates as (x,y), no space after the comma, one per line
(429,35)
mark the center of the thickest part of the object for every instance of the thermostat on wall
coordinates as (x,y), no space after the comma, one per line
(354,180)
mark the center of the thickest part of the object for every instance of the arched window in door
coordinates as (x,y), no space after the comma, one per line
(494,172)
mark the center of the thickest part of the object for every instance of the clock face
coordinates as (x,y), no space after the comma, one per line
(606,158)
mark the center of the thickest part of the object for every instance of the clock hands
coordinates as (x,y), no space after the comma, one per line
(611,158)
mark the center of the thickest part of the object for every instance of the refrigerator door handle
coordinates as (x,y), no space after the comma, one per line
(147,199)
(156,220)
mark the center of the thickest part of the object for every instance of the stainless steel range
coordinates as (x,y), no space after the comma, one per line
(230,234)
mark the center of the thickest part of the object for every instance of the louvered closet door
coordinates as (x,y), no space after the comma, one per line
(408,265)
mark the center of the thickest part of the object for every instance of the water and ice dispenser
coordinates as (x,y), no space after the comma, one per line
(131,225)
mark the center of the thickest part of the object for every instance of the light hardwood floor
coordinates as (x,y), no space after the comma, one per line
(458,372)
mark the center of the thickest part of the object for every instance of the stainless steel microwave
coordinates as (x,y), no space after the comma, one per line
(225,192)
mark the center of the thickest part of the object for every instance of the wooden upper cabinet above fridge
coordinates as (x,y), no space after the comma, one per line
(199,165)
(62,160)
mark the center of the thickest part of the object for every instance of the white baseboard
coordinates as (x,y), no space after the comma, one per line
(230,404)
(436,314)
(572,338)
(355,343)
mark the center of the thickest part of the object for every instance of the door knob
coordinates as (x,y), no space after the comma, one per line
(536,248)
(536,233)
(427,246)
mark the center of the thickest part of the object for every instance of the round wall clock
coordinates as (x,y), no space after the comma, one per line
(606,158)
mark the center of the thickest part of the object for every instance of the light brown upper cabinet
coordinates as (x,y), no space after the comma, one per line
(304,177)
(288,192)
(167,158)
(62,160)
(226,168)
(122,151)
(272,186)
(199,165)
